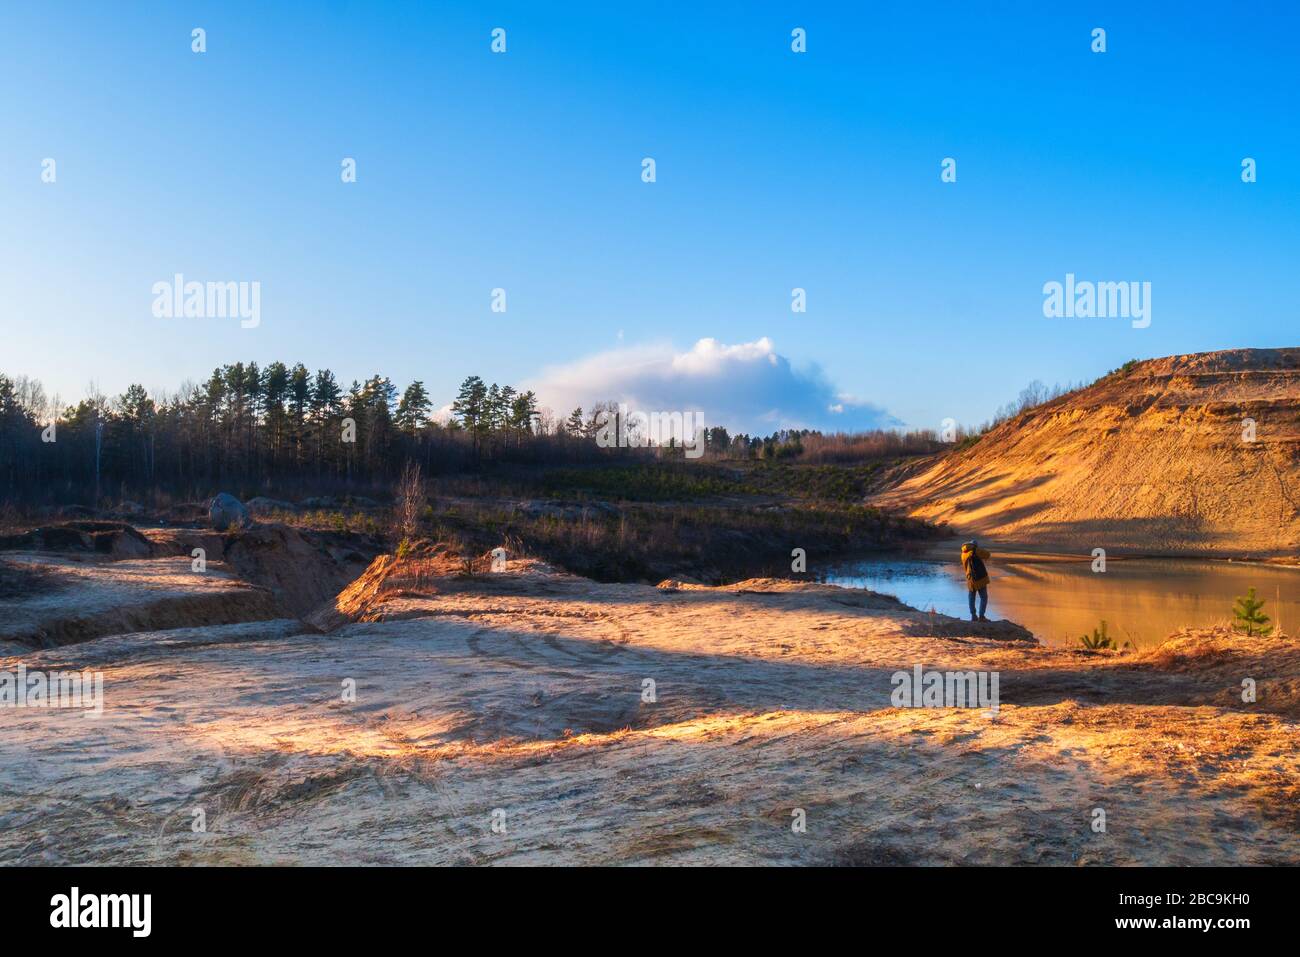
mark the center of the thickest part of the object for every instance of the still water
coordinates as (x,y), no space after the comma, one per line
(1142,600)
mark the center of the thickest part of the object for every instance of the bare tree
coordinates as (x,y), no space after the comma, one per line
(410,500)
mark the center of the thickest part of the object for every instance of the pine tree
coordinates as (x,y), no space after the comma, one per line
(299,401)
(377,398)
(252,392)
(573,425)
(325,396)
(523,409)
(493,413)
(275,388)
(505,405)
(1250,616)
(470,407)
(326,405)
(138,412)
(1098,640)
(413,410)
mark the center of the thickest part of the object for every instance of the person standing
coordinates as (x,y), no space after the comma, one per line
(977,577)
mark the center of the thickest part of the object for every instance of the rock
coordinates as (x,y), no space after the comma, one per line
(943,626)
(226,512)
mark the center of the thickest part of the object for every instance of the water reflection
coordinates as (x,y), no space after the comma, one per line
(1142,600)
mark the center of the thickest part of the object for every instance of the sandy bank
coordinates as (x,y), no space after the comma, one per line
(524,694)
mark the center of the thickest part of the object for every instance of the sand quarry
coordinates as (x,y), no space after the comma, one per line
(1193,455)
(502,718)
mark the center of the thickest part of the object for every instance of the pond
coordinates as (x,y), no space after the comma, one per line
(1141,600)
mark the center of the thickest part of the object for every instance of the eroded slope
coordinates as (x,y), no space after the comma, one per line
(1154,461)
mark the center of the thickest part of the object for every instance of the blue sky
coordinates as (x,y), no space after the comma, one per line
(522,171)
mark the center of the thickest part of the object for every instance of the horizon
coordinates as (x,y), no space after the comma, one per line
(775,171)
(441,414)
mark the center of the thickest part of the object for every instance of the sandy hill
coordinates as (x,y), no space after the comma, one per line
(1153,459)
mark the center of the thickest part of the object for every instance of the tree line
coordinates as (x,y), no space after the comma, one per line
(284,427)
(245,426)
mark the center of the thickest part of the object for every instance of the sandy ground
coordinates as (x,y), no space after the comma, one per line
(73,598)
(1194,455)
(518,698)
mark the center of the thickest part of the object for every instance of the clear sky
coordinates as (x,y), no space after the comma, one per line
(522,171)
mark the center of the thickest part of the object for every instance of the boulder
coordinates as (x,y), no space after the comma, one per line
(227,512)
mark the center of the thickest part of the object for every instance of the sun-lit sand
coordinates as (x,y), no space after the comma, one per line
(521,699)
(1192,455)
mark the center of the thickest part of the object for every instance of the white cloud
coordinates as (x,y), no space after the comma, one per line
(747,387)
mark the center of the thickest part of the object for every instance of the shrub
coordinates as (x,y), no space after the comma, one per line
(1248,615)
(410,500)
(1098,640)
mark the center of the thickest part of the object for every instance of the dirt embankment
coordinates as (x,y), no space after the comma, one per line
(1195,455)
(300,568)
(67,599)
(75,581)
(109,539)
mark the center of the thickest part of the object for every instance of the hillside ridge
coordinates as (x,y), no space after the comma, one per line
(1195,455)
